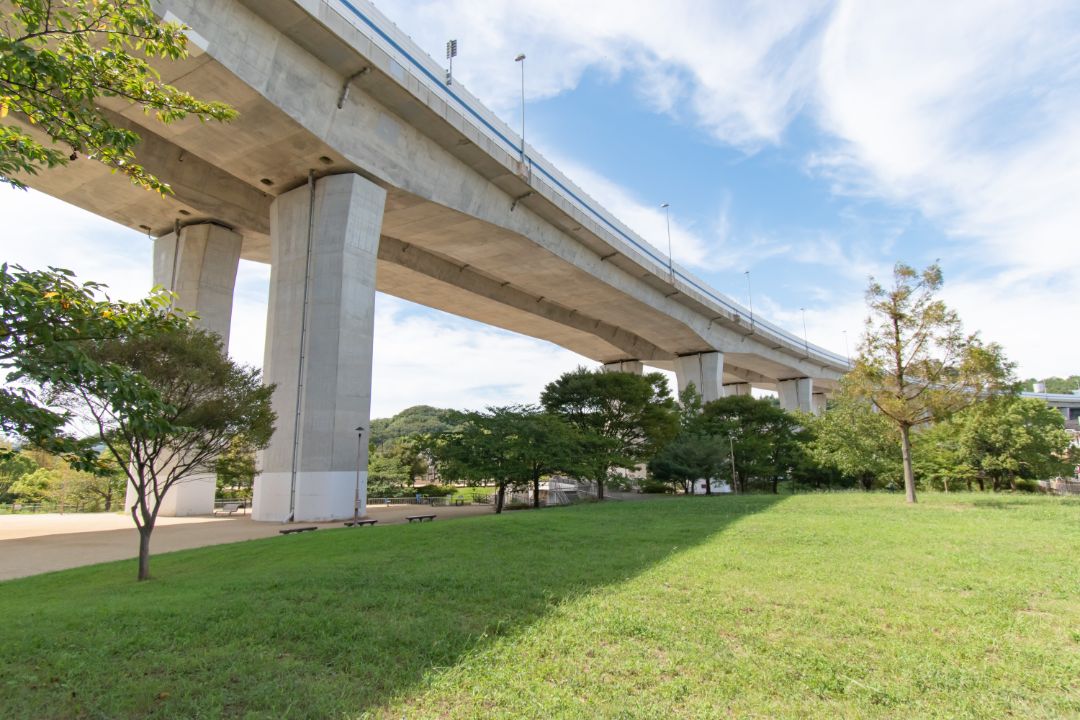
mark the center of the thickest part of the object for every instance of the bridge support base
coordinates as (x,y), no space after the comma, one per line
(634,367)
(199,265)
(796,394)
(737,389)
(705,371)
(318,353)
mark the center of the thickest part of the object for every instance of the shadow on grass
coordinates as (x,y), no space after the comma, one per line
(325,624)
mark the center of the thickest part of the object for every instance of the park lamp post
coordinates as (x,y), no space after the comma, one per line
(359,460)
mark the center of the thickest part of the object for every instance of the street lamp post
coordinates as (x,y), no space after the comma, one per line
(847,351)
(359,460)
(806,342)
(750,299)
(521,59)
(670,261)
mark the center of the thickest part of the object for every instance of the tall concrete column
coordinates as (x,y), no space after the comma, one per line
(795,394)
(818,403)
(320,358)
(705,371)
(634,367)
(199,266)
(737,389)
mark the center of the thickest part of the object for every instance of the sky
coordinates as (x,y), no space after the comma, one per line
(811,144)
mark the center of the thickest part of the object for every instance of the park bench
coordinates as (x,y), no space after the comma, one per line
(290,531)
(358,523)
(419,518)
(227,509)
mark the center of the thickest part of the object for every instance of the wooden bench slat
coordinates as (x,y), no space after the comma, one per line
(290,531)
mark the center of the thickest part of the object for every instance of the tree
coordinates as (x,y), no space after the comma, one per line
(860,444)
(58,58)
(915,363)
(13,466)
(767,441)
(236,469)
(510,446)
(690,457)
(48,326)
(622,418)
(1008,438)
(198,403)
(543,444)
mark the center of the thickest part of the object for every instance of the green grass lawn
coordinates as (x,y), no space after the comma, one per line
(823,606)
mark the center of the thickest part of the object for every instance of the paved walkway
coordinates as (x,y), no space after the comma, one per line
(33,544)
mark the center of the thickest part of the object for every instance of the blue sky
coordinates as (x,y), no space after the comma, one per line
(810,143)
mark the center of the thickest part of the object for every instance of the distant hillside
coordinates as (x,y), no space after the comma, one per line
(411,421)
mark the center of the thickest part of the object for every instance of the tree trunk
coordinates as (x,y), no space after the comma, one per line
(144,552)
(775,486)
(599,489)
(499,498)
(909,473)
(536,492)
(708,486)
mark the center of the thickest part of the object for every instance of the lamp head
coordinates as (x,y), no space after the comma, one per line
(520,57)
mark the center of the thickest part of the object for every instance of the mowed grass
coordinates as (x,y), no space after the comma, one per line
(809,606)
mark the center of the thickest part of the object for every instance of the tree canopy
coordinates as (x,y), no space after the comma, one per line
(60,58)
(622,418)
(50,327)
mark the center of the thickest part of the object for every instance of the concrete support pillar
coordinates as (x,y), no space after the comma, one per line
(199,265)
(705,371)
(320,359)
(633,367)
(737,389)
(796,394)
(818,402)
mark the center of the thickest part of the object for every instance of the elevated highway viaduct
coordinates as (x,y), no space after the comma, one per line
(353,168)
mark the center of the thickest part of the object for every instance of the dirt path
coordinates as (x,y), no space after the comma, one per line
(33,544)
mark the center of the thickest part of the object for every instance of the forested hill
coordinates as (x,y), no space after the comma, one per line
(411,421)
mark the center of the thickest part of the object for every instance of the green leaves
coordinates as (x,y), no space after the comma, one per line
(49,325)
(58,59)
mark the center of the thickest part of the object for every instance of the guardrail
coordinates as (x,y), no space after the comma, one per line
(424,70)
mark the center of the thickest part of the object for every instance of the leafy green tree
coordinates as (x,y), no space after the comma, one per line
(622,418)
(60,58)
(477,453)
(35,487)
(48,326)
(390,469)
(236,469)
(860,444)
(767,441)
(690,457)
(543,443)
(13,466)
(199,402)
(1010,438)
(915,362)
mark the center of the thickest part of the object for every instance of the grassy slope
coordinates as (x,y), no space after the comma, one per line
(813,606)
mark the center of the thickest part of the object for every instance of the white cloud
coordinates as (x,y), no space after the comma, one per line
(742,70)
